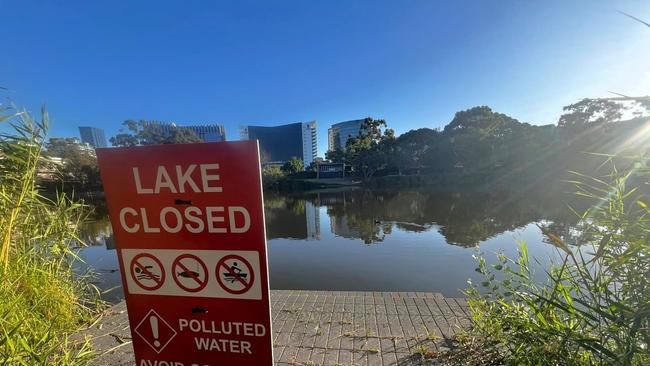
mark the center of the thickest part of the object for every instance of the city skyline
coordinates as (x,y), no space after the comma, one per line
(236,63)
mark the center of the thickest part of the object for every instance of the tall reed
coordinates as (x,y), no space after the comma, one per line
(595,307)
(42,300)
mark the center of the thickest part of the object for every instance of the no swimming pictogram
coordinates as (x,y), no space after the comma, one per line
(147,271)
(190,273)
(235,274)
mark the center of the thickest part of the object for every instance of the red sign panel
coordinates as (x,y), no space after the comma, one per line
(188,222)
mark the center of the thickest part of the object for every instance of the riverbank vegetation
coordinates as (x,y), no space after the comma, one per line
(594,308)
(483,147)
(43,300)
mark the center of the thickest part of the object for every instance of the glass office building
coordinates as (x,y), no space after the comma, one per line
(208,133)
(281,143)
(92,136)
(339,133)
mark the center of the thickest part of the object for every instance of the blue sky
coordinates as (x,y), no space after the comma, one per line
(414,63)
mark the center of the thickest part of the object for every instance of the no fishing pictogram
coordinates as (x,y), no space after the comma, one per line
(190,273)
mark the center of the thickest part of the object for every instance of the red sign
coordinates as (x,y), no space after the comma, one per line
(188,222)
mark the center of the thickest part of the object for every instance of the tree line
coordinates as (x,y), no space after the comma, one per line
(480,144)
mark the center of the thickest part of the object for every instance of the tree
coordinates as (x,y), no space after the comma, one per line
(69,149)
(183,136)
(481,119)
(79,163)
(411,148)
(482,140)
(271,176)
(293,165)
(312,167)
(591,111)
(368,152)
(335,156)
(146,133)
(124,140)
(642,106)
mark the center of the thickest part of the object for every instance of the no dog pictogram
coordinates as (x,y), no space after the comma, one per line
(190,273)
(147,271)
(235,274)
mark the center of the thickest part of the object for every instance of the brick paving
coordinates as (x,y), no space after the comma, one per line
(329,328)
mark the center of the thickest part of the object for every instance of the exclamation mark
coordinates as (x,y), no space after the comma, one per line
(154,329)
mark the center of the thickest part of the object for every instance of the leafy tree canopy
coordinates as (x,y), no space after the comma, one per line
(336,156)
(484,121)
(69,149)
(79,161)
(412,147)
(591,111)
(293,165)
(369,151)
(144,132)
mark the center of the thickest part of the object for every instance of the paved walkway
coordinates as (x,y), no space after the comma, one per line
(330,328)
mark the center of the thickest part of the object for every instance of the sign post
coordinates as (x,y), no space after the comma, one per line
(188,222)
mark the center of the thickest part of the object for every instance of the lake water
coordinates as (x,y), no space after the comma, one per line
(366,240)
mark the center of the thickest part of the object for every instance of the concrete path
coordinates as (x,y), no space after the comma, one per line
(330,328)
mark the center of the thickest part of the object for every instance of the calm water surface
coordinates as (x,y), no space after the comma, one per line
(409,240)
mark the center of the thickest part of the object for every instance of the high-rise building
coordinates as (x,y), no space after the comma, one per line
(93,136)
(281,143)
(339,133)
(207,132)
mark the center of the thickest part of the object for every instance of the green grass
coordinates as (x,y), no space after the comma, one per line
(43,301)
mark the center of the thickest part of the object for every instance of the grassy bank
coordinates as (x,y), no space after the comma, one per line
(43,301)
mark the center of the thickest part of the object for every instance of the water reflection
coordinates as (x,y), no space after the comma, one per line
(463,219)
(97,232)
(291,218)
(389,240)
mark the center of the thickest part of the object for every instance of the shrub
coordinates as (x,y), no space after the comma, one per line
(594,307)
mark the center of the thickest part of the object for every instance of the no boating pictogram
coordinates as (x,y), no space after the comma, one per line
(190,273)
(235,274)
(147,271)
